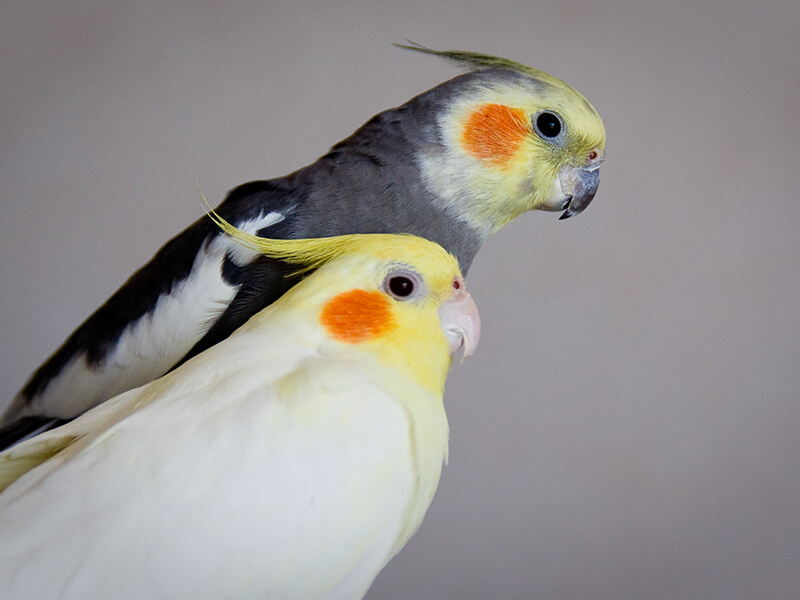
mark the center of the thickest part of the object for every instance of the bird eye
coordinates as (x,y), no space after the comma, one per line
(548,124)
(401,286)
(402,283)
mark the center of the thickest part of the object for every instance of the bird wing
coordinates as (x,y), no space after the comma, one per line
(197,280)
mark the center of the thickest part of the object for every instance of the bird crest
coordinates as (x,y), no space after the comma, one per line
(477,61)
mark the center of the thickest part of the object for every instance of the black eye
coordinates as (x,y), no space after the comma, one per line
(548,124)
(401,286)
(402,283)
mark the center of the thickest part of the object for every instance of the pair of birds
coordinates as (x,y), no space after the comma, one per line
(267,415)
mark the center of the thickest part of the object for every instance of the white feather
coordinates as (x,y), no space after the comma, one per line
(152,344)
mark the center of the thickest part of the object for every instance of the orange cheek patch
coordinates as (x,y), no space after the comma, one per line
(357,316)
(494,132)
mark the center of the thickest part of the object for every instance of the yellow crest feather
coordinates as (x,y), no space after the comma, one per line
(476,61)
(309,253)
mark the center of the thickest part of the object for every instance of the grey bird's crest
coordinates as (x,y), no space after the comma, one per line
(476,61)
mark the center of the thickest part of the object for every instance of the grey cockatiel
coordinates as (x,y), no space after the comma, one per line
(453,165)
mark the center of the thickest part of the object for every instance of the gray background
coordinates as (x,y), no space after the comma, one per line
(629,426)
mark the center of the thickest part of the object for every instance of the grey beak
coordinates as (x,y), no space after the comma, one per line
(584,184)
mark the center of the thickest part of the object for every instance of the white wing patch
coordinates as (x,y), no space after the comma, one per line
(151,345)
(241,255)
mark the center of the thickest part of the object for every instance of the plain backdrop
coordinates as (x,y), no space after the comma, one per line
(630,426)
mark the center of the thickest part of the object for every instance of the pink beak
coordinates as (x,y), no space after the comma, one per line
(461,321)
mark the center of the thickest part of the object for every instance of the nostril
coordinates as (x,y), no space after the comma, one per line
(593,156)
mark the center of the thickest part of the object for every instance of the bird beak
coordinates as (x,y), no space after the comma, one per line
(461,322)
(578,187)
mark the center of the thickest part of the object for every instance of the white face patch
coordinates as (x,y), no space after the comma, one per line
(557,199)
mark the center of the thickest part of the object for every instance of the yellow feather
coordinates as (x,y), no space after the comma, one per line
(14,463)
(310,253)
(476,61)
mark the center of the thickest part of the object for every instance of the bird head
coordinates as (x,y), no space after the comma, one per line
(511,139)
(397,296)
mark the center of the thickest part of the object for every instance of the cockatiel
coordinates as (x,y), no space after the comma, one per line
(453,165)
(292,460)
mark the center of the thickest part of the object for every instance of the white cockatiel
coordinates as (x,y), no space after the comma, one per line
(292,460)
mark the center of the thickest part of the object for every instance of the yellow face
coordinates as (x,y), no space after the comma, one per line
(509,143)
(387,302)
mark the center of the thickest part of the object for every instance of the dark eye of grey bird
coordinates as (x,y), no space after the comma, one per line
(548,124)
(401,286)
